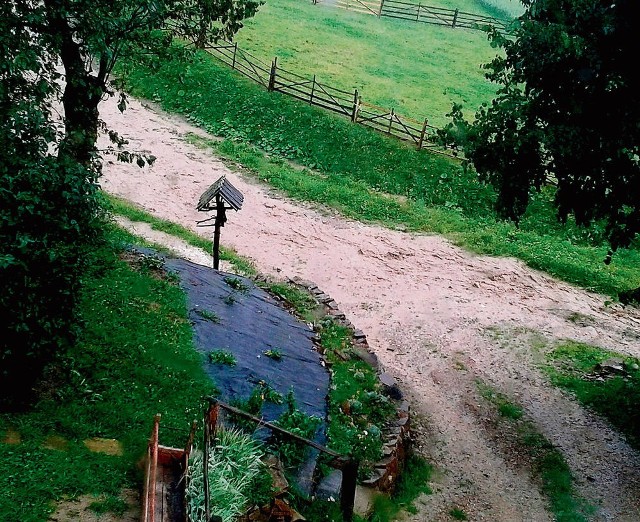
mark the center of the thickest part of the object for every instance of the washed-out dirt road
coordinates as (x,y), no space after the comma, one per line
(439,318)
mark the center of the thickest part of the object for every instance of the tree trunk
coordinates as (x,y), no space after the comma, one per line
(82,94)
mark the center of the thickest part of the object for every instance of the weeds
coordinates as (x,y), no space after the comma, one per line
(209,316)
(547,462)
(222,357)
(579,369)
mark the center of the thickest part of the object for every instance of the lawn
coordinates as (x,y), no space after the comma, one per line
(418,69)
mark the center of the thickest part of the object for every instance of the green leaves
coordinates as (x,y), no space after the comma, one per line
(567,112)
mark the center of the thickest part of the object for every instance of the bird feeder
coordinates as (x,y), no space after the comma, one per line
(219,197)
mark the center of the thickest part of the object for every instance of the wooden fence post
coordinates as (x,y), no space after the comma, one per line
(391,115)
(455,19)
(418,13)
(381,7)
(422,133)
(235,51)
(205,470)
(348,489)
(313,88)
(356,106)
(272,74)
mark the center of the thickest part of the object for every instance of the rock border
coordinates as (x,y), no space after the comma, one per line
(397,436)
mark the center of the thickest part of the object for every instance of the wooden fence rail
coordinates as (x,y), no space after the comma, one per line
(310,90)
(453,18)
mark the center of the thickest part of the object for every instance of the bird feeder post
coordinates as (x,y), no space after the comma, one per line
(219,197)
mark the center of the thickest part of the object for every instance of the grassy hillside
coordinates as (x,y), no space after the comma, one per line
(418,69)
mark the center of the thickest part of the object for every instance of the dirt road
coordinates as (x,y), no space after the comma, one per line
(438,318)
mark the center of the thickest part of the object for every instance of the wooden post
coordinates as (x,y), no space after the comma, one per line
(205,471)
(391,115)
(356,106)
(214,411)
(418,13)
(235,50)
(153,469)
(221,219)
(381,6)
(422,133)
(272,74)
(313,88)
(455,19)
(348,489)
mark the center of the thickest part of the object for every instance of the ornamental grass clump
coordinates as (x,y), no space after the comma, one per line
(234,464)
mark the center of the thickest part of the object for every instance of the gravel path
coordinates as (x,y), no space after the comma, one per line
(438,318)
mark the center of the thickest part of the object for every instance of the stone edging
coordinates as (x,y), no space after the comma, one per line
(397,436)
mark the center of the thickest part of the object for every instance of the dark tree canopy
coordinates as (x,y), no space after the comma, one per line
(567,112)
(50,210)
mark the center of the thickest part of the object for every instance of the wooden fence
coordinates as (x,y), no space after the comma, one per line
(439,16)
(453,18)
(310,90)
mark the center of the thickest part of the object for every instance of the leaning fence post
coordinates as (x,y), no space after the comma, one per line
(391,115)
(418,13)
(356,106)
(381,6)
(313,88)
(272,74)
(455,19)
(235,50)
(348,489)
(422,133)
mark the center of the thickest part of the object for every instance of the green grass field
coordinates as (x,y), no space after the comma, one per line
(418,69)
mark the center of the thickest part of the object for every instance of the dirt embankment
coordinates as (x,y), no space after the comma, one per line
(438,317)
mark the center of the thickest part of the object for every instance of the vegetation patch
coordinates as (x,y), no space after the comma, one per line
(222,357)
(134,358)
(546,463)
(236,474)
(605,381)
(357,407)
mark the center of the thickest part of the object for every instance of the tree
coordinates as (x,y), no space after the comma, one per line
(567,112)
(50,210)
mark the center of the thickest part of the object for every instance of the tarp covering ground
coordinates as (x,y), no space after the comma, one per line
(230,313)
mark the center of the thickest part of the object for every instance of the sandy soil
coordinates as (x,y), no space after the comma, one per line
(437,317)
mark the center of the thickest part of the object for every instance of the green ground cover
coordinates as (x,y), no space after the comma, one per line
(418,69)
(574,367)
(134,358)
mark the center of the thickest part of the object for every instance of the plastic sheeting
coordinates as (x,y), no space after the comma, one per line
(252,322)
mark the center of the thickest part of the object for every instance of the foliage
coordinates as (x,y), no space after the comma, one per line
(572,366)
(290,452)
(49,207)
(357,408)
(566,112)
(110,504)
(222,357)
(209,316)
(234,464)
(49,212)
(133,358)
(274,354)
(237,284)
